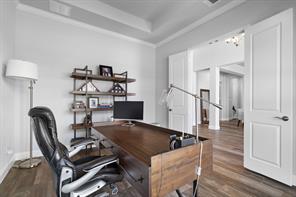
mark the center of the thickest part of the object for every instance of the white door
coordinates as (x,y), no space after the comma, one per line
(180,113)
(269,95)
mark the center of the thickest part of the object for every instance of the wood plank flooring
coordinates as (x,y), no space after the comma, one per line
(229,177)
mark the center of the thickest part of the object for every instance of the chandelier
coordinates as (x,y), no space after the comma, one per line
(235,39)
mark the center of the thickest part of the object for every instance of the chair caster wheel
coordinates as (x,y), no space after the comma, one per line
(114,189)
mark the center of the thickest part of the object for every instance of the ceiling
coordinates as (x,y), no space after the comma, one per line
(153,21)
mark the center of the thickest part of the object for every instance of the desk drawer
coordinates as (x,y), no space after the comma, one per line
(135,172)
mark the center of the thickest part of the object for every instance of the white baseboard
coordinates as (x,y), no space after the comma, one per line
(19,156)
(225,119)
(25,155)
(214,127)
(4,171)
(15,157)
(294,180)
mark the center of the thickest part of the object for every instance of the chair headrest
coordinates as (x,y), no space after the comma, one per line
(44,113)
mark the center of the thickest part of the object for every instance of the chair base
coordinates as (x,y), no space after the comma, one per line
(28,163)
(90,188)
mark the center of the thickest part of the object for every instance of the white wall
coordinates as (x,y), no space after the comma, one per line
(57,48)
(225,113)
(248,13)
(218,54)
(7,88)
(235,69)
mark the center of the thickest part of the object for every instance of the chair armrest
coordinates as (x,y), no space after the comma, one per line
(87,141)
(85,178)
(78,146)
(89,166)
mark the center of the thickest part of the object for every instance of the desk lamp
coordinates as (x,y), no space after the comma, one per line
(166,97)
(28,71)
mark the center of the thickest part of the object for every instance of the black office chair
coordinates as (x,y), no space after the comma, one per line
(78,178)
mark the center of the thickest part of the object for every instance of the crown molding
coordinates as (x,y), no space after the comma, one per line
(188,28)
(112,13)
(203,20)
(59,18)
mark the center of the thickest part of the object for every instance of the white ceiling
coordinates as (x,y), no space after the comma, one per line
(153,21)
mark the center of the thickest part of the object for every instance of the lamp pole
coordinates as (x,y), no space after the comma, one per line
(31,162)
(31,106)
(196,98)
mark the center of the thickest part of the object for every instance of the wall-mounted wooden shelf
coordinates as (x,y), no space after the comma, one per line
(91,109)
(83,76)
(102,93)
(88,77)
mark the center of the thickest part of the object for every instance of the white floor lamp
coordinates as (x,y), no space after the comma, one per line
(19,69)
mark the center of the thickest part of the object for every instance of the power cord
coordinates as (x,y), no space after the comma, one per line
(198,171)
(198,168)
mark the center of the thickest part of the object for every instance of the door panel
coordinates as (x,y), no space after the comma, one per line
(178,79)
(267,150)
(178,121)
(266,53)
(269,67)
(179,113)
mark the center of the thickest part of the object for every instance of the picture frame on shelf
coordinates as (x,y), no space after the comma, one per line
(106,71)
(93,102)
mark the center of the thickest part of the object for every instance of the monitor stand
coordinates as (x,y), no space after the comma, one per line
(128,124)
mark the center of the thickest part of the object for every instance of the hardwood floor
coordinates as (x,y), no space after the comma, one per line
(229,177)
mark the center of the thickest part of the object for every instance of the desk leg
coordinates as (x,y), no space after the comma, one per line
(194,185)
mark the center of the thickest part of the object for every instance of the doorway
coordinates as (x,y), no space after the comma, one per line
(232,94)
(267,109)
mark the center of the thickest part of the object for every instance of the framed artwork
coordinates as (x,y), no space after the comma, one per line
(106,71)
(93,102)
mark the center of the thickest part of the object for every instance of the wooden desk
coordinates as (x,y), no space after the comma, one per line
(149,165)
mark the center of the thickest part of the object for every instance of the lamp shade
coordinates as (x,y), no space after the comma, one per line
(22,70)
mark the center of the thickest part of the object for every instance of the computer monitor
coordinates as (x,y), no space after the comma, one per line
(128,110)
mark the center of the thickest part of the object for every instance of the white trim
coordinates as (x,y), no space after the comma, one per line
(294,180)
(211,127)
(4,171)
(188,28)
(112,13)
(203,20)
(26,155)
(59,18)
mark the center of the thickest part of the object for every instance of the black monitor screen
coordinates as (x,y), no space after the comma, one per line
(131,110)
